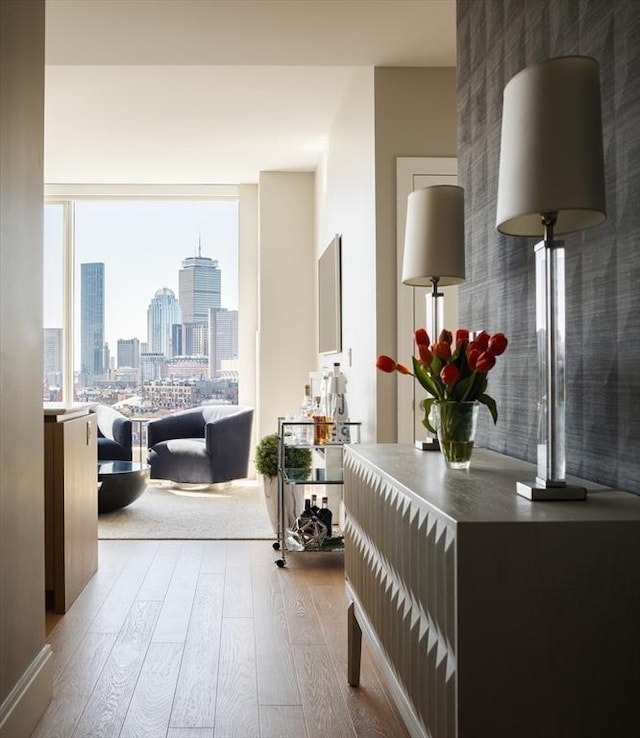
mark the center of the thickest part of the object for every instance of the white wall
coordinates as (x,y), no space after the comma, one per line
(386,113)
(248,300)
(347,207)
(286,340)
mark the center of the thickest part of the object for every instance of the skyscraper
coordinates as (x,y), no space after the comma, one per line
(163,313)
(199,288)
(128,352)
(223,338)
(91,321)
(53,356)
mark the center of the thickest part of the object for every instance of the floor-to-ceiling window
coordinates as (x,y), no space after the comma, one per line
(141,301)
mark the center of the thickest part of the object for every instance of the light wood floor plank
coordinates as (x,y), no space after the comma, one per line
(275,655)
(214,557)
(107,706)
(74,686)
(282,722)
(195,699)
(325,710)
(118,602)
(158,577)
(190,733)
(150,708)
(237,703)
(176,609)
(238,600)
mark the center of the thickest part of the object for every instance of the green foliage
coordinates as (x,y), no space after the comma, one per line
(266,459)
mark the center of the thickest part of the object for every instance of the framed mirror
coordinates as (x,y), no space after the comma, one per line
(330,299)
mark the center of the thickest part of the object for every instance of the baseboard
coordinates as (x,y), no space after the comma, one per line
(25,704)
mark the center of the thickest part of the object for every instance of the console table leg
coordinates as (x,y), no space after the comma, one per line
(354,647)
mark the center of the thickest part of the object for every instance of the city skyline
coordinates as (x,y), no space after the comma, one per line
(143,245)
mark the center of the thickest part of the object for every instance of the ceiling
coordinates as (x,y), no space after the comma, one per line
(215,91)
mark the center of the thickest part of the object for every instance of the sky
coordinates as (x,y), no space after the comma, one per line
(142,245)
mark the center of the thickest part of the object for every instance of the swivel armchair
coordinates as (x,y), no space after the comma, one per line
(114,434)
(202,445)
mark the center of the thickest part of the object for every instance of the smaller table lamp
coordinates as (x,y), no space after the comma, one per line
(434,253)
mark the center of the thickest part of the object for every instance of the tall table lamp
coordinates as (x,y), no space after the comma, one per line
(434,253)
(551,182)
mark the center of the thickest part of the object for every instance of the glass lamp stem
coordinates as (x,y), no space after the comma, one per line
(435,310)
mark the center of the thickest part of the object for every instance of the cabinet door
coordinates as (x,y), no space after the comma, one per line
(71,508)
(80,504)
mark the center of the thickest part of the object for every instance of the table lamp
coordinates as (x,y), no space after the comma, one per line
(434,253)
(551,181)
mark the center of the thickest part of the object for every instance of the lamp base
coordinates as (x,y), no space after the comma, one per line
(540,491)
(429,444)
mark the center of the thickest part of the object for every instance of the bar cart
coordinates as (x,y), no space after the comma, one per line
(304,528)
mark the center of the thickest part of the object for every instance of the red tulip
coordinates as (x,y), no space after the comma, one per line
(445,337)
(450,374)
(482,340)
(472,358)
(442,350)
(402,369)
(497,344)
(462,334)
(422,337)
(386,364)
(486,361)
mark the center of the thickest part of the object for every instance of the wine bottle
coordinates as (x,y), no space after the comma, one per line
(314,505)
(326,516)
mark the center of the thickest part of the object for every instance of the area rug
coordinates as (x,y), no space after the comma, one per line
(218,512)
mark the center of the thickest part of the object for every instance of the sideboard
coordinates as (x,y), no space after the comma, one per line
(70,501)
(491,615)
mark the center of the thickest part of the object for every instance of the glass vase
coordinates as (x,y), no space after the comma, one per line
(456,426)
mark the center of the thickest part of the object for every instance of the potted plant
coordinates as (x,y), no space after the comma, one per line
(297,462)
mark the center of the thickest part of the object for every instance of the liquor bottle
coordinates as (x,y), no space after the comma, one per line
(320,423)
(306,513)
(337,404)
(305,432)
(326,516)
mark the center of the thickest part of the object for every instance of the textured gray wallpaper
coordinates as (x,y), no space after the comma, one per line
(497,38)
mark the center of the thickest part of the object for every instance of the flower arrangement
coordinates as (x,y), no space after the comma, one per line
(452,370)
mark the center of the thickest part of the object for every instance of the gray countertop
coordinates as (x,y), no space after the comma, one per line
(486,493)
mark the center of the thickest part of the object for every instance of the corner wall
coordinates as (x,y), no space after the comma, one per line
(25,660)
(385,113)
(286,301)
(495,40)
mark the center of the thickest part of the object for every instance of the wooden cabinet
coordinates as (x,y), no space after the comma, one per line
(492,616)
(71,503)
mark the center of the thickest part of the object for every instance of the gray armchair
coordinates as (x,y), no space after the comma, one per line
(114,434)
(203,445)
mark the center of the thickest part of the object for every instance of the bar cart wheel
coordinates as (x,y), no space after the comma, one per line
(280,563)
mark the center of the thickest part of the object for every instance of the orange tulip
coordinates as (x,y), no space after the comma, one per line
(386,364)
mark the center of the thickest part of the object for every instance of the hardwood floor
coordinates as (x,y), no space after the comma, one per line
(209,639)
